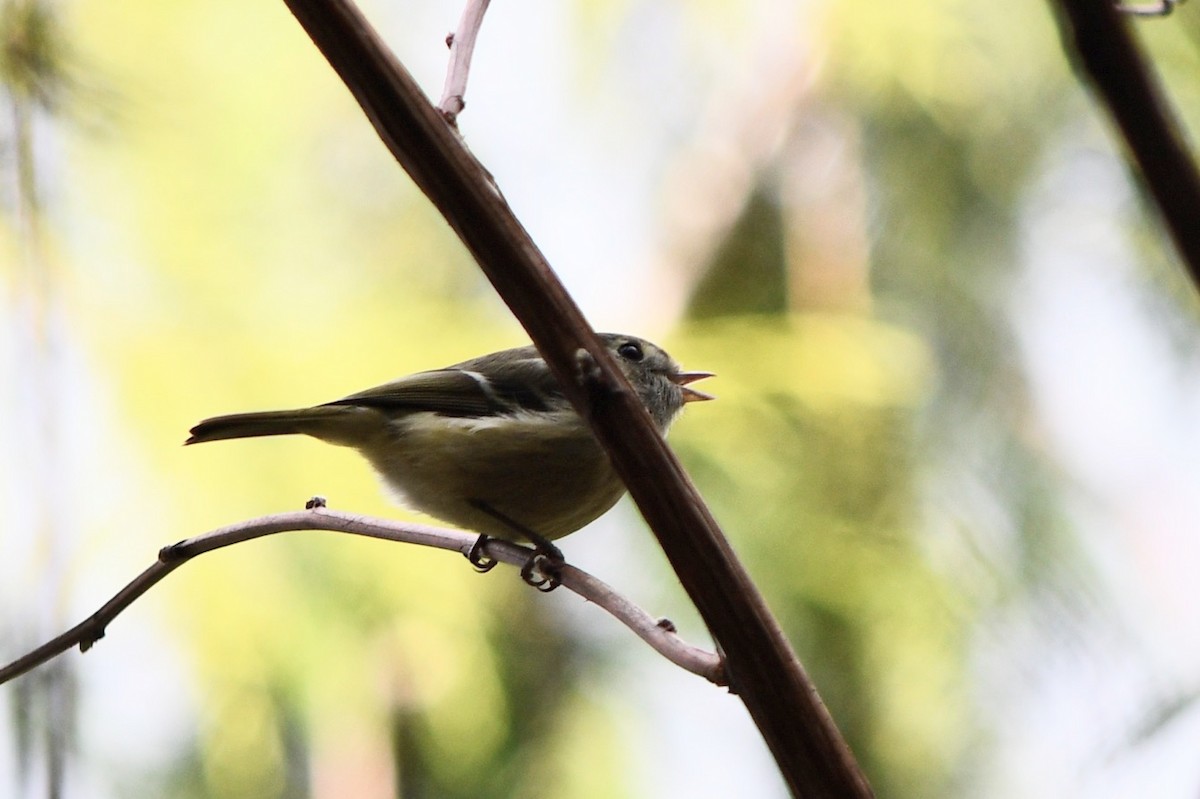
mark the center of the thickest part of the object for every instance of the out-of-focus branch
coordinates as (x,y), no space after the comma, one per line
(656,633)
(1100,38)
(462,48)
(762,668)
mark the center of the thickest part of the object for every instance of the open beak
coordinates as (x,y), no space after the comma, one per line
(683,379)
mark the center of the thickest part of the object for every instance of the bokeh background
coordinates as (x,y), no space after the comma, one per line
(957,441)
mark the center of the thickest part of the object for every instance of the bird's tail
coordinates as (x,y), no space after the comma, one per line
(311,421)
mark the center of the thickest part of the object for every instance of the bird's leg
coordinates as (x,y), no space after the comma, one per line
(541,570)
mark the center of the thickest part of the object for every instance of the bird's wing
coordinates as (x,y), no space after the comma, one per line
(524,384)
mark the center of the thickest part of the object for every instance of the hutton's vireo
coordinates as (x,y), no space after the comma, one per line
(485,443)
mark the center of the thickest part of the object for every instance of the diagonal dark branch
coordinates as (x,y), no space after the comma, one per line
(1100,38)
(762,668)
(654,632)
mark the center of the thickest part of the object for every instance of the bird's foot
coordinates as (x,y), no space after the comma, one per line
(543,570)
(478,556)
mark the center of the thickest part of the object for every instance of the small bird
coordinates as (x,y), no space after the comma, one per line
(490,444)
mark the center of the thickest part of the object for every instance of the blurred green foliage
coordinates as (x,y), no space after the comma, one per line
(33,53)
(811,458)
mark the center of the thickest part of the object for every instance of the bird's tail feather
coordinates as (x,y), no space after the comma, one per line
(266,423)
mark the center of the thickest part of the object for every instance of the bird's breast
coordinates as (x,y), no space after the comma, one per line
(544,470)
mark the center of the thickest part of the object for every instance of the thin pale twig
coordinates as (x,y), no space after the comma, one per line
(654,632)
(462,48)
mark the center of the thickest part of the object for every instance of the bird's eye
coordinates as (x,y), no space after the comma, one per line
(630,352)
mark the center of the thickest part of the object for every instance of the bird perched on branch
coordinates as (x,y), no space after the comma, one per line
(490,444)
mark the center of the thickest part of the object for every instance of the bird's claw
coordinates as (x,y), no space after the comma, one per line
(589,374)
(543,567)
(478,556)
(543,570)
